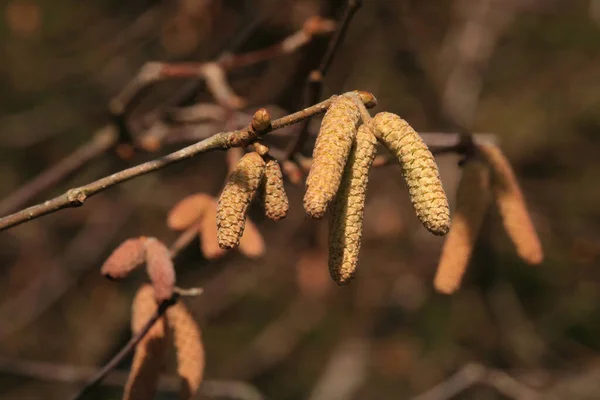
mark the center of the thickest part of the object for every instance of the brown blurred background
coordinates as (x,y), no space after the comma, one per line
(527,71)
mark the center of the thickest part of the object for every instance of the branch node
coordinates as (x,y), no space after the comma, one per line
(76,197)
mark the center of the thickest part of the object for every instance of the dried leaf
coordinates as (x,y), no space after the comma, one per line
(129,255)
(160,269)
(189,210)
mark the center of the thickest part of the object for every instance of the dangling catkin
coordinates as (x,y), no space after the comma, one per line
(189,348)
(346,219)
(330,153)
(233,204)
(274,197)
(472,201)
(418,168)
(150,352)
(208,233)
(129,255)
(188,211)
(512,207)
(159,266)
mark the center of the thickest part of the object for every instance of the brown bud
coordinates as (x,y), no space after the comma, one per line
(274,197)
(472,201)
(150,352)
(512,207)
(252,244)
(233,204)
(188,211)
(368,99)
(418,168)
(261,120)
(189,348)
(346,219)
(208,233)
(330,154)
(160,269)
(129,255)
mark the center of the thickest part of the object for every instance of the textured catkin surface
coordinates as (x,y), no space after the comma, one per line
(189,349)
(150,353)
(332,147)
(128,256)
(161,271)
(346,218)
(188,211)
(418,168)
(472,201)
(274,196)
(512,207)
(236,197)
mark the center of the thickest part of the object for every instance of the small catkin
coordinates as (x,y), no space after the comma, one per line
(472,201)
(274,196)
(208,233)
(330,153)
(252,244)
(188,211)
(419,170)
(159,266)
(512,207)
(189,348)
(346,219)
(233,204)
(150,352)
(129,255)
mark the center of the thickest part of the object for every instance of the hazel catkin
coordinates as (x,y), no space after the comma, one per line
(129,255)
(512,207)
(161,271)
(233,204)
(150,352)
(472,201)
(346,219)
(418,168)
(330,153)
(189,349)
(274,197)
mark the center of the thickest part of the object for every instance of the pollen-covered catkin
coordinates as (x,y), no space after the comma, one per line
(472,201)
(150,352)
(346,218)
(189,348)
(274,196)
(418,168)
(188,211)
(128,256)
(512,207)
(330,153)
(233,204)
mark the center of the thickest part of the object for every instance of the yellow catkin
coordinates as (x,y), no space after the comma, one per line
(346,219)
(128,256)
(330,153)
(512,207)
(150,352)
(159,266)
(419,170)
(208,233)
(188,211)
(274,196)
(189,348)
(233,204)
(472,201)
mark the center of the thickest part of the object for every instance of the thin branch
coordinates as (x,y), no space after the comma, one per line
(221,141)
(103,140)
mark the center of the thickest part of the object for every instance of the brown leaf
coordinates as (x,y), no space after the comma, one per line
(188,211)
(129,255)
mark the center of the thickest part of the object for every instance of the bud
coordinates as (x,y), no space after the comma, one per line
(472,201)
(330,153)
(233,204)
(346,219)
(274,197)
(418,168)
(129,255)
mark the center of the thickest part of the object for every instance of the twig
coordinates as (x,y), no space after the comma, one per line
(128,348)
(76,197)
(314,83)
(104,139)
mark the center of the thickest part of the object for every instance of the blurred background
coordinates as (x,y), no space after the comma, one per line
(525,71)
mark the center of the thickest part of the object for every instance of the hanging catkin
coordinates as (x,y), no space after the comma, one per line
(418,168)
(274,196)
(128,256)
(512,207)
(330,153)
(472,201)
(188,211)
(346,218)
(150,352)
(233,204)
(189,348)
(160,269)
(208,233)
